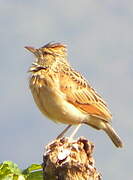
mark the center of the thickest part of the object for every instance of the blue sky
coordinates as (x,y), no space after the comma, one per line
(100,46)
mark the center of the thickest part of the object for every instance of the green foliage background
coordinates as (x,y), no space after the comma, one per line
(10,171)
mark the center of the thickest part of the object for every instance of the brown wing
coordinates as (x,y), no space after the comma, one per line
(80,94)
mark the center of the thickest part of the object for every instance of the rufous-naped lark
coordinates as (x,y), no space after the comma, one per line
(63,95)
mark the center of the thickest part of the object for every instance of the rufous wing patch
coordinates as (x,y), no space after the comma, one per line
(90,109)
(79,93)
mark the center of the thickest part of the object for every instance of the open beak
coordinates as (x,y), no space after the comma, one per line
(31,49)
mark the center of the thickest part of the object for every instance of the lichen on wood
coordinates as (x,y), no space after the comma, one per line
(68,159)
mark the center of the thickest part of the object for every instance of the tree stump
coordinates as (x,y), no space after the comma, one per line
(68,159)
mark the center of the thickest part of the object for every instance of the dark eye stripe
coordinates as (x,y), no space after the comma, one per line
(47,53)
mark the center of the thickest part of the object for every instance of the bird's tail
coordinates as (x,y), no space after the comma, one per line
(113,135)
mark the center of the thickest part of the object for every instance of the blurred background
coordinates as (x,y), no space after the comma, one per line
(99,35)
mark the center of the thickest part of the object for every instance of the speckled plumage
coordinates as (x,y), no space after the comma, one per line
(63,95)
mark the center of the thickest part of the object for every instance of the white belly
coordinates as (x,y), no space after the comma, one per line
(52,103)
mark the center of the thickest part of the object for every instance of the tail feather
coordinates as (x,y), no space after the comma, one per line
(113,136)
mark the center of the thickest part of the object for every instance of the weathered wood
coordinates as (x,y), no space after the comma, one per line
(68,159)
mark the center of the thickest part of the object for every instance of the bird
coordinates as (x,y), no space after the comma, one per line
(64,95)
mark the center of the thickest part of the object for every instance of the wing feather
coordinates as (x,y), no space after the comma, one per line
(79,93)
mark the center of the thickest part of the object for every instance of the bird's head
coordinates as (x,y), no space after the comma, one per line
(48,54)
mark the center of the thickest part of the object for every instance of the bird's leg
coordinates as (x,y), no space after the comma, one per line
(63,132)
(75,131)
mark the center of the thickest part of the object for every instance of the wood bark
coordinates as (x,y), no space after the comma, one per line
(68,159)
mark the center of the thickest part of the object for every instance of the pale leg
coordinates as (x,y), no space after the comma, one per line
(75,131)
(64,131)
